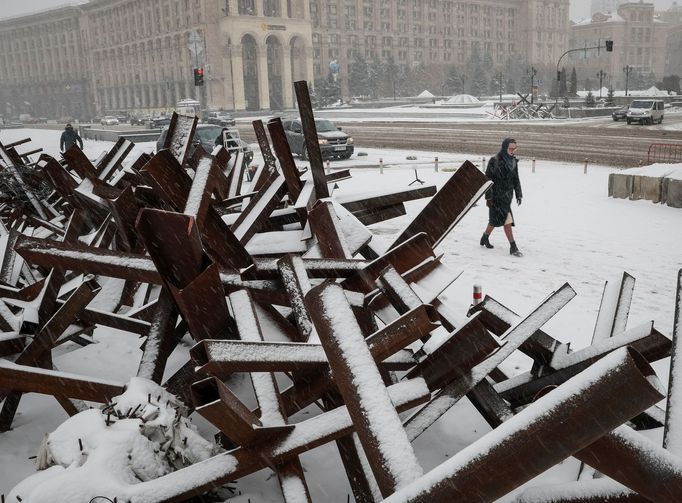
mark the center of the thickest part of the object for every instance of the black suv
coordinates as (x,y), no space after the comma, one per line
(621,113)
(210,136)
(333,142)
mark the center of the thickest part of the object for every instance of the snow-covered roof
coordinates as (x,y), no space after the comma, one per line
(425,94)
(461,99)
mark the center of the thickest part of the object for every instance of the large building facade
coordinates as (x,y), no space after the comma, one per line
(640,39)
(106,56)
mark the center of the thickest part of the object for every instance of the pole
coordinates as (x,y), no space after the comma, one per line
(627,69)
(478,294)
(499,81)
(436,164)
(381,165)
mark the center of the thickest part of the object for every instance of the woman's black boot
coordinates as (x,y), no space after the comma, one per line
(514,250)
(485,242)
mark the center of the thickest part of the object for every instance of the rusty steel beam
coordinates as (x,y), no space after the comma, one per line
(203,184)
(378,426)
(305,109)
(584,491)
(297,284)
(124,210)
(449,205)
(268,158)
(326,227)
(113,159)
(397,290)
(292,481)
(257,212)
(459,353)
(215,402)
(286,160)
(614,308)
(497,319)
(384,199)
(403,257)
(79,162)
(306,435)
(236,176)
(25,379)
(179,136)
(548,431)
(645,339)
(266,268)
(672,433)
(160,340)
(632,459)
(514,337)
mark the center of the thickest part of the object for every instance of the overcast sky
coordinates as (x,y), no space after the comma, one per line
(579,8)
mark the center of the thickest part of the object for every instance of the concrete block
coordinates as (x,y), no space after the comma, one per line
(674,195)
(620,185)
(647,187)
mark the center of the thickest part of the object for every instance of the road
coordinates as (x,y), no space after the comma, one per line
(601,140)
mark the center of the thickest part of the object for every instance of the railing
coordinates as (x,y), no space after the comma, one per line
(664,153)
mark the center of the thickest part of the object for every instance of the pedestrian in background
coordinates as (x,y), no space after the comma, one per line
(503,171)
(69,138)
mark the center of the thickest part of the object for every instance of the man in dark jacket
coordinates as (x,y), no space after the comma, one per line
(69,139)
(503,171)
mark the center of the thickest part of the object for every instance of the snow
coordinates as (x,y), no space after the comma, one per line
(425,94)
(567,227)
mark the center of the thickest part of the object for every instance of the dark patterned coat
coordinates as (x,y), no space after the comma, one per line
(505,183)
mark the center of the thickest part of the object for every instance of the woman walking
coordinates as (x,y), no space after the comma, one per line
(503,171)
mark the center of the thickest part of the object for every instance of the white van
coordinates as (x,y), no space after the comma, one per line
(645,111)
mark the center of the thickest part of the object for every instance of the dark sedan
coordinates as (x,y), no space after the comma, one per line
(620,114)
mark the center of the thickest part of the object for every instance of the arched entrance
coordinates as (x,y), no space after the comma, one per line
(250,61)
(275,72)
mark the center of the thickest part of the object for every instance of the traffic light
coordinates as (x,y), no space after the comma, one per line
(198,76)
(609,46)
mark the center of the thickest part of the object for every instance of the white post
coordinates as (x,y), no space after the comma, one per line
(381,165)
(482,163)
(585,169)
(328,168)
(478,295)
(533,166)
(436,164)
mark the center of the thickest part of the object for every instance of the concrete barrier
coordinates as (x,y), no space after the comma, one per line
(647,187)
(620,185)
(674,193)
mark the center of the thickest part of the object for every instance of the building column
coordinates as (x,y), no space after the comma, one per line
(308,55)
(263,83)
(283,8)
(306,9)
(287,81)
(237,77)
(233,7)
(259,8)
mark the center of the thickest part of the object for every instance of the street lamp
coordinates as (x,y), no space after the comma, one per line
(533,72)
(628,70)
(601,76)
(608,45)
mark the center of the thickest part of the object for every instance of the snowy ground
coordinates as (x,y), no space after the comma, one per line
(568,229)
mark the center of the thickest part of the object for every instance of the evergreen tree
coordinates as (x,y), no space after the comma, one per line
(327,91)
(391,70)
(589,100)
(554,91)
(609,98)
(563,91)
(358,76)
(574,83)
(510,86)
(453,82)
(375,75)
(479,82)
(670,83)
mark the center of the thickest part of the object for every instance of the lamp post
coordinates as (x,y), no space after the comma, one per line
(627,69)
(608,45)
(601,76)
(533,72)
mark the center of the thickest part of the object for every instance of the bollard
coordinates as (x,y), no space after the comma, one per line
(328,167)
(381,165)
(533,166)
(435,163)
(585,168)
(482,163)
(478,295)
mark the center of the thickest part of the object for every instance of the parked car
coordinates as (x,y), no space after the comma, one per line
(333,142)
(208,136)
(109,120)
(620,114)
(160,121)
(220,118)
(645,111)
(136,120)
